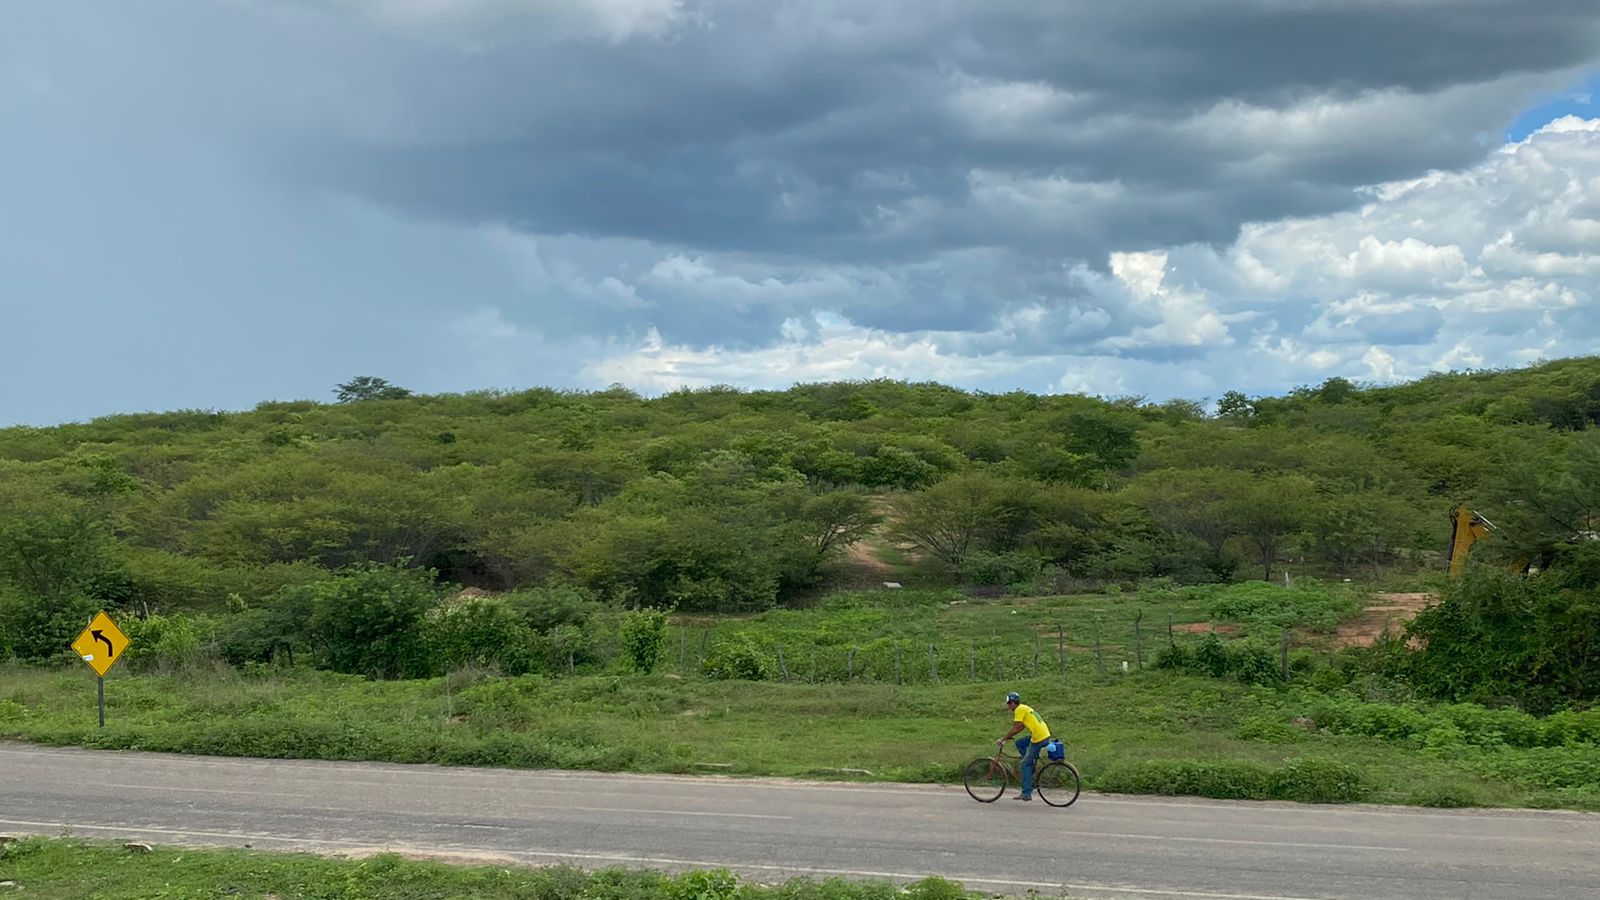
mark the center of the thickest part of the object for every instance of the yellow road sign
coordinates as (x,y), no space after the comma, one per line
(101,644)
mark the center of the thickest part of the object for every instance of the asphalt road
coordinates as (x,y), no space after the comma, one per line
(1104,847)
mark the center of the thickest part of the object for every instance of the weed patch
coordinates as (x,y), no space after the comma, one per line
(70,868)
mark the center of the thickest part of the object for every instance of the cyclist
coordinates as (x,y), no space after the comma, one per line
(1023,716)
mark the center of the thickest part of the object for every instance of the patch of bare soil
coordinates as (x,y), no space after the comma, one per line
(863,558)
(1205,627)
(1390,613)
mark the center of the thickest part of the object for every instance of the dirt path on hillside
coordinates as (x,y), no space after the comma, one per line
(1389,613)
(864,560)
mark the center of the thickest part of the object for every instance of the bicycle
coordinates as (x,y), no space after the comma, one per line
(1057,782)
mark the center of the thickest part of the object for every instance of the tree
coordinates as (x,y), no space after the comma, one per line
(836,520)
(1270,512)
(1108,438)
(952,518)
(1235,405)
(1199,503)
(369,621)
(1344,527)
(1553,504)
(367,387)
(55,570)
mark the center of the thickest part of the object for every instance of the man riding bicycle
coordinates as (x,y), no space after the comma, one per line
(1023,716)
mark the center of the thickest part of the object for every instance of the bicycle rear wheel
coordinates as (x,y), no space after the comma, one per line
(985,779)
(1058,784)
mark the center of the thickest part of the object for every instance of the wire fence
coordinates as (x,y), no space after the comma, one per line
(1096,647)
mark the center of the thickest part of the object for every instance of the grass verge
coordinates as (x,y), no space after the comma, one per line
(1155,732)
(71,869)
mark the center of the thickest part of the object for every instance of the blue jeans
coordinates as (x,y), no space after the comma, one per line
(1030,753)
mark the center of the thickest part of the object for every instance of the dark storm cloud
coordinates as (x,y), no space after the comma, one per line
(750,128)
(548,177)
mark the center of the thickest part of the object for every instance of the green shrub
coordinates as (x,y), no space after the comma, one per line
(482,632)
(1263,607)
(1175,657)
(1574,769)
(1318,781)
(503,703)
(369,621)
(1492,727)
(1300,780)
(1211,658)
(168,643)
(1017,567)
(1254,662)
(931,888)
(1219,779)
(271,632)
(644,636)
(737,657)
(1270,730)
(546,608)
(1444,795)
(1496,637)
(1251,661)
(1568,728)
(710,884)
(40,628)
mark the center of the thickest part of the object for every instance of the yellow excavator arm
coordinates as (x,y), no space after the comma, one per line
(1466,528)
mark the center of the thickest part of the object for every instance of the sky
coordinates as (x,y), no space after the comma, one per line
(206,204)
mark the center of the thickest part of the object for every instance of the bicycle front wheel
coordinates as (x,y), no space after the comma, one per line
(1058,784)
(985,779)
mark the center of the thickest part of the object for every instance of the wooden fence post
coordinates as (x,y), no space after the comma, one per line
(933,664)
(1138,639)
(782,667)
(850,665)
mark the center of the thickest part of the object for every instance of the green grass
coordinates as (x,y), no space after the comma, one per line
(1018,637)
(73,869)
(843,711)
(1124,732)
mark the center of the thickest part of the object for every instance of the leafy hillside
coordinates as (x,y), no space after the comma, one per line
(720,499)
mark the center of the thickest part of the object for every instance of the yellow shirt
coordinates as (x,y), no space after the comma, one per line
(1037,729)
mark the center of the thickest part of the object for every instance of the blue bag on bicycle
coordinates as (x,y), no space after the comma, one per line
(1056,751)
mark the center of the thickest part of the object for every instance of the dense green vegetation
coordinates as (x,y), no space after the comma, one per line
(1342,726)
(705,551)
(721,500)
(70,868)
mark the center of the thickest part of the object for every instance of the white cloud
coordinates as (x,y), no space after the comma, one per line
(1436,272)
(997,109)
(1381,366)
(829,349)
(609,20)
(1178,318)
(1438,269)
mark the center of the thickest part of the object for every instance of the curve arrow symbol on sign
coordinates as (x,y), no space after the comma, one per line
(99,636)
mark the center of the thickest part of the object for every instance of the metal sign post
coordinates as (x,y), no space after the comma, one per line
(100,646)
